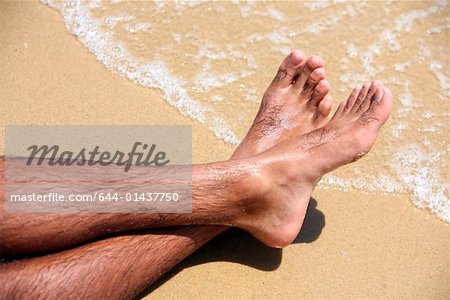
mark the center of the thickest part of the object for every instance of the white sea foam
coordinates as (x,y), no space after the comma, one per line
(317,5)
(153,74)
(423,181)
(275,13)
(418,165)
(145,26)
(444,82)
(406,21)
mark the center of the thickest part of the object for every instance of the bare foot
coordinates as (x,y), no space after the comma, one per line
(296,102)
(293,168)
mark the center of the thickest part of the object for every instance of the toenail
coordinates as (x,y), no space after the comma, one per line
(319,72)
(323,84)
(365,86)
(295,58)
(315,61)
(376,83)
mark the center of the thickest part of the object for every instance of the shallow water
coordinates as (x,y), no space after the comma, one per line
(213,60)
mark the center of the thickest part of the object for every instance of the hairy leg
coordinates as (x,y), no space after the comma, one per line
(297,108)
(347,137)
(296,102)
(114,268)
(221,191)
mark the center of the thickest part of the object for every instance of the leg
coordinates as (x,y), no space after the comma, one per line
(114,268)
(295,103)
(221,192)
(300,109)
(349,135)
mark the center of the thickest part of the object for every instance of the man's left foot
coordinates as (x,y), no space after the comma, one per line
(296,102)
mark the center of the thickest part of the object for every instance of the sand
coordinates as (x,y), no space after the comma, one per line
(354,244)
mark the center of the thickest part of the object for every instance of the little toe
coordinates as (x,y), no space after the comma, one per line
(324,108)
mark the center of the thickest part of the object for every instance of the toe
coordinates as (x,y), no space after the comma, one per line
(361,95)
(313,80)
(311,64)
(340,110)
(380,106)
(320,91)
(362,104)
(289,69)
(324,108)
(344,104)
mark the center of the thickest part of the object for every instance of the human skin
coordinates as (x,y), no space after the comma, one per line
(360,116)
(287,108)
(76,272)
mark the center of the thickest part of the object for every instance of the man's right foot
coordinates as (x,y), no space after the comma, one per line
(291,169)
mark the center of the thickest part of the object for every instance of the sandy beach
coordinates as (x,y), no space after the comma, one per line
(355,243)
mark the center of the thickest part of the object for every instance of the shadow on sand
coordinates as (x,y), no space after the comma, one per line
(238,246)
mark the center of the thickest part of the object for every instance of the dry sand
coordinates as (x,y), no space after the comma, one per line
(357,245)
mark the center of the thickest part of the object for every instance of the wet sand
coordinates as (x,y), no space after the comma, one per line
(370,245)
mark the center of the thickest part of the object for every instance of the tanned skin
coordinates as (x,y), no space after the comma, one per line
(361,115)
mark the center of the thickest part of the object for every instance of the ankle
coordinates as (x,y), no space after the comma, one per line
(253,190)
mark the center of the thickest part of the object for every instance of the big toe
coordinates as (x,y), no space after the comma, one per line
(380,106)
(289,69)
(370,122)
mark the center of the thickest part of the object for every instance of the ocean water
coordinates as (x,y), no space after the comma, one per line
(213,60)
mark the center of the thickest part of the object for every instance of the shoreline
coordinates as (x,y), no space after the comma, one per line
(371,244)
